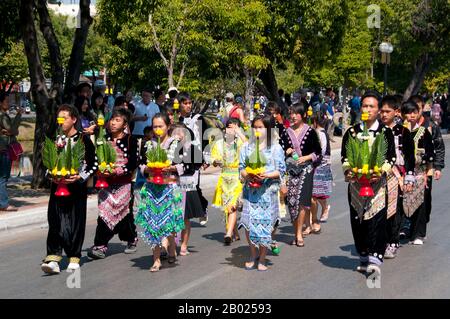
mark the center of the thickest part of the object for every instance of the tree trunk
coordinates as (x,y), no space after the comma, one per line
(38,89)
(54,52)
(77,55)
(170,76)
(267,77)
(421,68)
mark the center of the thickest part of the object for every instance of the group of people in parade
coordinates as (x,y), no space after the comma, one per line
(401,204)
(267,165)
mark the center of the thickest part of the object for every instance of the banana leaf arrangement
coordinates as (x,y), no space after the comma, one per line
(157,159)
(256,162)
(366,157)
(62,158)
(106,154)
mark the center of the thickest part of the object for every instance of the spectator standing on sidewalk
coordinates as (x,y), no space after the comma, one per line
(9,129)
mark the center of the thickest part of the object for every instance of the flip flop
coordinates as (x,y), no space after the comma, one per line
(172,259)
(227,240)
(300,243)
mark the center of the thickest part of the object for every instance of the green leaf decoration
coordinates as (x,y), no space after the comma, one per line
(78,152)
(68,157)
(49,154)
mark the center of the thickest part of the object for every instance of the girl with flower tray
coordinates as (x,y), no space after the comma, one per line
(67,214)
(160,210)
(260,213)
(368,215)
(115,202)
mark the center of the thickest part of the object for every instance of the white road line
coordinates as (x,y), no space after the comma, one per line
(196,283)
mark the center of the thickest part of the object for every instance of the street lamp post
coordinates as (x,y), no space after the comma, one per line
(386,49)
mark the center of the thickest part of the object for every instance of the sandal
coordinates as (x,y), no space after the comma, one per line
(172,259)
(300,243)
(307,231)
(317,231)
(227,240)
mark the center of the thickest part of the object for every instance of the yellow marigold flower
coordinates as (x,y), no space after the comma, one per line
(355,170)
(73,172)
(258,134)
(102,166)
(365,169)
(310,111)
(365,116)
(60,120)
(55,171)
(111,165)
(256,171)
(176,105)
(159,132)
(64,172)
(101,122)
(256,106)
(376,170)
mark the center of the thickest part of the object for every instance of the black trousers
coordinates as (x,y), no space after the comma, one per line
(394,223)
(428,198)
(369,235)
(126,229)
(67,221)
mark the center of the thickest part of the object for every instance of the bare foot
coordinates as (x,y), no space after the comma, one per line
(156,266)
(262,267)
(250,264)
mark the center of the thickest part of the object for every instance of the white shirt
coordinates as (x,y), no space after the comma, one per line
(140,110)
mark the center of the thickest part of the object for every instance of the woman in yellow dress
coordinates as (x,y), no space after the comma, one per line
(225,154)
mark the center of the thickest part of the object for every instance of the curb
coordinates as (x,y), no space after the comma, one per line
(34,217)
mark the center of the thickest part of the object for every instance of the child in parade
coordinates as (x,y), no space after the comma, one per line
(323,177)
(115,202)
(368,215)
(415,202)
(67,214)
(260,194)
(303,149)
(401,178)
(160,212)
(439,148)
(225,154)
(196,203)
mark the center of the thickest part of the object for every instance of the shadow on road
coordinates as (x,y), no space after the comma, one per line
(239,256)
(350,248)
(340,262)
(215,236)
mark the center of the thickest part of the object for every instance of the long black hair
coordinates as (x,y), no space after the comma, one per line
(79,101)
(269,123)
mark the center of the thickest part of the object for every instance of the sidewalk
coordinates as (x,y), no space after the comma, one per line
(32,203)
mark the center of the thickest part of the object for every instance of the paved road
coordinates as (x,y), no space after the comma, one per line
(322,269)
